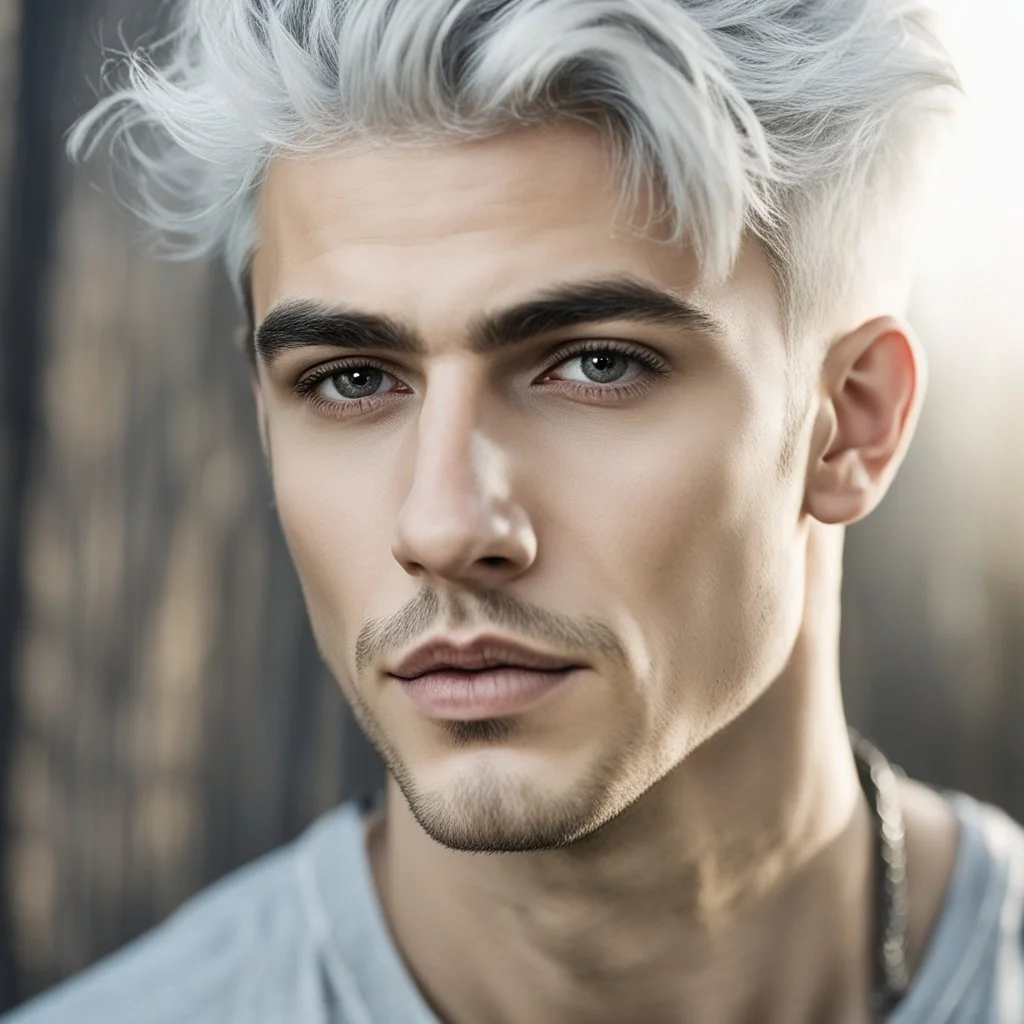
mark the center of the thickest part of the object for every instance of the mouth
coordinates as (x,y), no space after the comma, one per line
(489,678)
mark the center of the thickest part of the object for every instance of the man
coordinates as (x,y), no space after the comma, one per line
(577,343)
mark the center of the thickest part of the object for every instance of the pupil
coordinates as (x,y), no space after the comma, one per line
(358,383)
(604,367)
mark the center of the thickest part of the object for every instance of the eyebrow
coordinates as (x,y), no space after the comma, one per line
(302,323)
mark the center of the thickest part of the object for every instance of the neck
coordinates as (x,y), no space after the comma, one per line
(736,889)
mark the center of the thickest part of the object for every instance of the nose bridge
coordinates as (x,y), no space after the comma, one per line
(454,459)
(458,513)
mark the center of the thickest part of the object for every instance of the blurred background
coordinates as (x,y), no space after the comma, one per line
(164,716)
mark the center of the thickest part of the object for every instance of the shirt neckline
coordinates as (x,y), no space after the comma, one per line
(360,956)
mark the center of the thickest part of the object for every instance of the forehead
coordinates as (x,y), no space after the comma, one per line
(410,193)
(436,234)
(522,201)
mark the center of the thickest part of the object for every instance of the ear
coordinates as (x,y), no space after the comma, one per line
(872,386)
(244,344)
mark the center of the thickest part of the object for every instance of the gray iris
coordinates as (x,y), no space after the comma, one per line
(604,367)
(361,382)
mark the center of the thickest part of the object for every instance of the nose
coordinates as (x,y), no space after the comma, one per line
(460,522)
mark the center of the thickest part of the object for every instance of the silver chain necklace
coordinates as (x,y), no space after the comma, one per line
(878,780)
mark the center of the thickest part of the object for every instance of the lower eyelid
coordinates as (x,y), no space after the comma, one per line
(330,408)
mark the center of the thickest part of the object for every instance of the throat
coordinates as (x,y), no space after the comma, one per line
(613,929)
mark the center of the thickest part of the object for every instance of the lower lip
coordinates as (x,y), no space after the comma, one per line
(492,693)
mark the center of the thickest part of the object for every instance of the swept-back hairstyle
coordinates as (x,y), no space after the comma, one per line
(790,119)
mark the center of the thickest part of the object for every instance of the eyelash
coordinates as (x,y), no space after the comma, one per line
(651,366)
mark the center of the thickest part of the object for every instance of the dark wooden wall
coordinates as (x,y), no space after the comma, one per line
(167,716)
(164,716)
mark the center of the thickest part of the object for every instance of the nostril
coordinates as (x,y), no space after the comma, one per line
(495,562)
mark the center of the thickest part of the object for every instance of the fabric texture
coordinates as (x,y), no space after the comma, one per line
(298,937)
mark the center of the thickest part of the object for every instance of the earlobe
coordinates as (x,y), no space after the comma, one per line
(872,387)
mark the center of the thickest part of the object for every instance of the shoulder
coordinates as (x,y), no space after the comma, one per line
(1003,837)
(972,970)
(990,863)
(242,950)
(992,887)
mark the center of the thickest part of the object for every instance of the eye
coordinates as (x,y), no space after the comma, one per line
(601,366)
(349,389)
(353,383)
(605,370)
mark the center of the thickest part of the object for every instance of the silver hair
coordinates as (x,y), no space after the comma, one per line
(785,118)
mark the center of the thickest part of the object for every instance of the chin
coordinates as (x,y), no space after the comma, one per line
(497,802)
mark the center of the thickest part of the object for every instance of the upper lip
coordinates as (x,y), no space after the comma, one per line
(484,652)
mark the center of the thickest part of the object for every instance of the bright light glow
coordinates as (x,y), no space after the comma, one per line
(971,280)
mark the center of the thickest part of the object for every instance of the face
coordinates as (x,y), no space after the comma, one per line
(497,413)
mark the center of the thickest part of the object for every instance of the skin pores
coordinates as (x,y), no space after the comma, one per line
(660,513)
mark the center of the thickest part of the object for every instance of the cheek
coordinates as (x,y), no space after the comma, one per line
(330,501)
(691,538)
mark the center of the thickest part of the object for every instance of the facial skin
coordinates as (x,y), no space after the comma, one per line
(679,534)
(655,513)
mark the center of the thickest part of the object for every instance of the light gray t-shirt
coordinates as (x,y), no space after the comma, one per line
(298,937)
